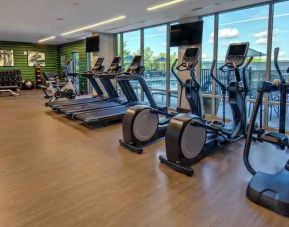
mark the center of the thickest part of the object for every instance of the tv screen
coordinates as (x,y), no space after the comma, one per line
(92,44)
(186,34)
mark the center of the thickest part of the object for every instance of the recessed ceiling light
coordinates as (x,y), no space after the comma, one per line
(162,5)
(46,39)
(94,25)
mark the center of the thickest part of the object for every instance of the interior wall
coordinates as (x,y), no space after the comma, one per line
(67,50)
(21,58)
(185,75)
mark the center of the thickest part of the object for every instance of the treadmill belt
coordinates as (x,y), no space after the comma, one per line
(69,110)
(56,105)
(105,115)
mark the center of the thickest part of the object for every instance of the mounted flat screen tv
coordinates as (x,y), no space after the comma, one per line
(186,34)
(92,44)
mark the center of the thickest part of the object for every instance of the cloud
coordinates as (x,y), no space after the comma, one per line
(211,39)
(262,34)
(228,33)
(261,41)
(282,54)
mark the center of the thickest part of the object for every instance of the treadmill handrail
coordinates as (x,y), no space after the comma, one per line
(144,86)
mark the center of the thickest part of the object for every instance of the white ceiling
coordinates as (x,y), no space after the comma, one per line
(32,20)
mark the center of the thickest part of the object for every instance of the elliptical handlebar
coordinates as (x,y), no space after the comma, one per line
(276,56)
(175,74)
(245,83)
(223,86)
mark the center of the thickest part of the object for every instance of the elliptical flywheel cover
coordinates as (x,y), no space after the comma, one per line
(145,125)
(193,140)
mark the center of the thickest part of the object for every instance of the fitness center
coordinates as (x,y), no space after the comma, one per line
(156,113)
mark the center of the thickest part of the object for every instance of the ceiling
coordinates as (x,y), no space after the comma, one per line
(32,20)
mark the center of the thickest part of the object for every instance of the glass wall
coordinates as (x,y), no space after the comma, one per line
(280,39)
(174,85)
(248,25)
(155,61)
(131,47)
(207,60)
(242,25)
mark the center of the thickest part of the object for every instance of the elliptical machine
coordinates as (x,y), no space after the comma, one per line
(269,190)
(189,138)
(142,125)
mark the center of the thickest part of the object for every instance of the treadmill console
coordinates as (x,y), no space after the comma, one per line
(114,65)
(135,64)
(98,64)
(236,54)
(191,56)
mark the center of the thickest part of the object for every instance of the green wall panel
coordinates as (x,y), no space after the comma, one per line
(53,55)
(20,59)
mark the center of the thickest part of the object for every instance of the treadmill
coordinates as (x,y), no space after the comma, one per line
(106,82)
(108,115)
(71,111)
(98,68)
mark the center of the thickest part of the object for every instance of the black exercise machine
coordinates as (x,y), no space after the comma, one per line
(142,124)
(97,70)
(113,100)
(189,138)
(269,190)
(114,111)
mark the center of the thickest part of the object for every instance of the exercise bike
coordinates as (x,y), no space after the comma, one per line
(142,124)
(190,138)
(269,190)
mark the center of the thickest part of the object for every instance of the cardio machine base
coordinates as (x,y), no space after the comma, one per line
(271,191)
(130,147)
(139,149)
(187,170)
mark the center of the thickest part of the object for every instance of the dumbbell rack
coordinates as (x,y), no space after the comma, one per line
(10,81)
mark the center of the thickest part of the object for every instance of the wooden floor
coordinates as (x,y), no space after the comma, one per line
(55,172)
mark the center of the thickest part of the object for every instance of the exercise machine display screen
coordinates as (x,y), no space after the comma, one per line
(99,61)
(135,62)
(237,54)
(191,55)
(238,50)
(115,63)
(116,60)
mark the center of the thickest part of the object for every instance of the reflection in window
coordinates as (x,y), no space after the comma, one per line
(155,45)
(280,39)
(248,25)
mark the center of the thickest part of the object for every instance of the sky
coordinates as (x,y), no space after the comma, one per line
(247,25)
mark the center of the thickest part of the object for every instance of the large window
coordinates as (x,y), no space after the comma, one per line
(131,47)
(155,60)
(248,25)
(244,25)
(280,39)
(207,60)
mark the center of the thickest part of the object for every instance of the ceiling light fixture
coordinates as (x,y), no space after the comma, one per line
(46,39)
(94,25)
(164,5)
